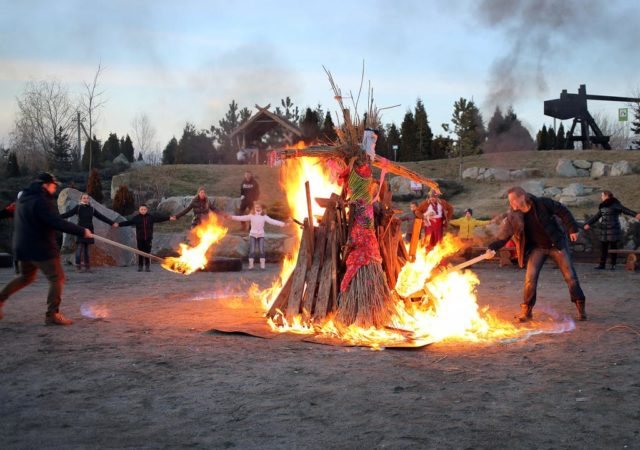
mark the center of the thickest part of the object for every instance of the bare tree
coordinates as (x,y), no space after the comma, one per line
(90,104)
(145,134)
(45,112)
(619,131)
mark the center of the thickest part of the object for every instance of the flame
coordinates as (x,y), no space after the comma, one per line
(322,183)
(432,304)
(191,259)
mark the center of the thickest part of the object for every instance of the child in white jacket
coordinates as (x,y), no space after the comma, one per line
(256,234)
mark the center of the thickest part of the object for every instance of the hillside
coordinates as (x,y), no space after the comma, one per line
(482,196)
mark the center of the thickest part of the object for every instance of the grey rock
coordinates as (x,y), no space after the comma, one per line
(535,187)
(470,173)
(600,169)
(582,164)
(574,189)
(101,253)
(565,168)
(621,168)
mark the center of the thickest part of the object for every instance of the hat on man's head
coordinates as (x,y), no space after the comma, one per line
(46,177)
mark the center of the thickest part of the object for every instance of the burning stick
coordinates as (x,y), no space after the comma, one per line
(126,247)
(488,255)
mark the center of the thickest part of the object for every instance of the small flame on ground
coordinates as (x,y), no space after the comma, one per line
(194,258)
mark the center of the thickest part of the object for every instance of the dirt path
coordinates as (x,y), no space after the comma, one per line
(149,375)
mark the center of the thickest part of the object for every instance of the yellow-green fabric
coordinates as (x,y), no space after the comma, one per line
(467,225)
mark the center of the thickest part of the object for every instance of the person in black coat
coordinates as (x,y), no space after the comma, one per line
(610,231)
(201,206)
(143,222)
(85,213)
(35,245)
(249,193)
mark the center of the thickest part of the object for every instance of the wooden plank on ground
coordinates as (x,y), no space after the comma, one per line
(280,302)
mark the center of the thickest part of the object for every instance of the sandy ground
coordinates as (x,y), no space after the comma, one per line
(149,374)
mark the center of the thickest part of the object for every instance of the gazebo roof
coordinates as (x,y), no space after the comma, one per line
(262,122)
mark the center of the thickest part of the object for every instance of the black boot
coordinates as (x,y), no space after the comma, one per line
(599,267)
(582,311)
(526,313)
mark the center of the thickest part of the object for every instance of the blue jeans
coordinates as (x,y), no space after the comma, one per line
(537,257)
(82,249)
(253,241)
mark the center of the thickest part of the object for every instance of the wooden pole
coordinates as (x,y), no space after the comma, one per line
(126,247)
(311,227)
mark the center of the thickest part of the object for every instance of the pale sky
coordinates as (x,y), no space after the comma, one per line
(185,61)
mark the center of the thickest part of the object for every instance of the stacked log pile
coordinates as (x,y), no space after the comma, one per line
(312,287)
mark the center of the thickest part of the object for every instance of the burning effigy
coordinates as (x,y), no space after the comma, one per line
(354,280)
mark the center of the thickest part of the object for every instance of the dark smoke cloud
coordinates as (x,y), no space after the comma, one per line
(545,34)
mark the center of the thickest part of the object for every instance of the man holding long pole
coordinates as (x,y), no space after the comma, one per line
(35,247)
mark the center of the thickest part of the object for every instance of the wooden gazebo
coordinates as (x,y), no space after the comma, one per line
(260,124)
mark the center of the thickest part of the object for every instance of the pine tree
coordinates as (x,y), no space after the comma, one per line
(111,147)
(127,149)
(94,186)
(310,126)
(441,147)
(393,141)
(169,152)
(13,169)
(194,147)
(409,134)
(124,201)
(91,157)
(468,127)
(140,156)
(560,138)
(222,133)
(328,132)
(424,136)
(60,154)
(506,133)
(542,138)
(551,139)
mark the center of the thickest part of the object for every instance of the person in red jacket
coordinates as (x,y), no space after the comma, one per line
(143,222)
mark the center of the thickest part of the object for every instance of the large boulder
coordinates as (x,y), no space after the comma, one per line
(599,169)
(401,190)
(535,187)
(173,205)
(565,168)
(470,173)
(496,174)
(119,180)
(620,168)
(101,254)
(582,164)
(574,189)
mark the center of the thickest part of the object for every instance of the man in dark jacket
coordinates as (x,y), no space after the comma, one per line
(143,222)
(534,226)
(35,246)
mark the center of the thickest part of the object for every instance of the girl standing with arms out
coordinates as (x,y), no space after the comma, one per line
(258,218)
(85,213)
